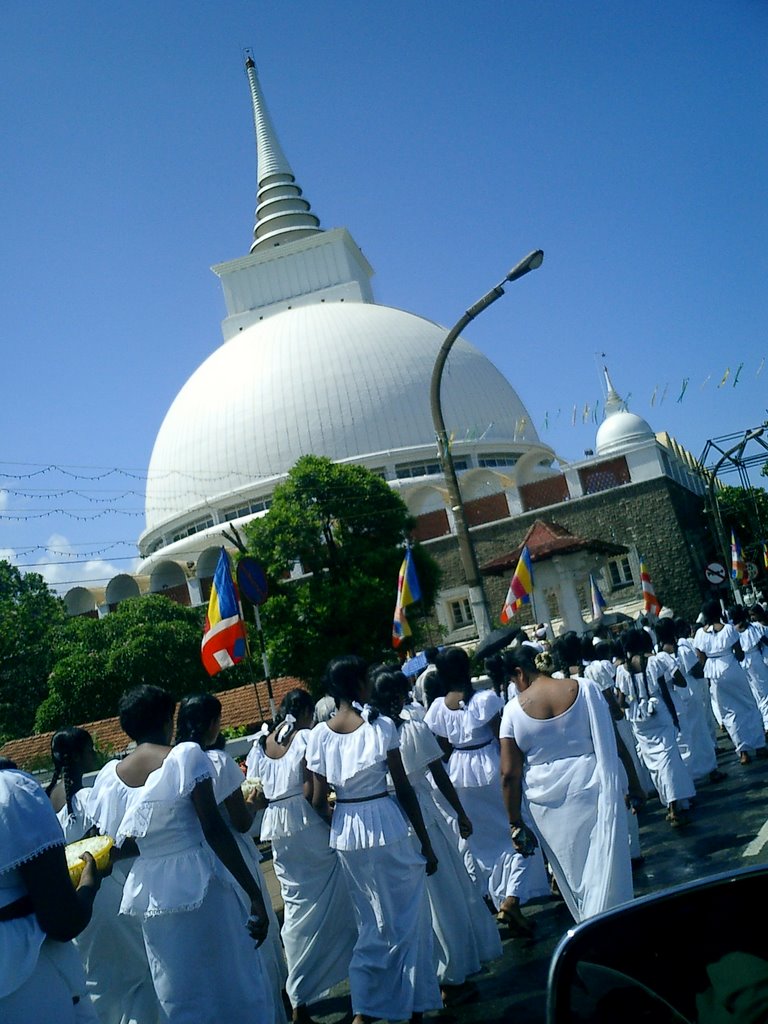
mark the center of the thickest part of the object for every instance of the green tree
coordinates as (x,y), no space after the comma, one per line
(145,640)
(343,528)
(29,615)
(745,510)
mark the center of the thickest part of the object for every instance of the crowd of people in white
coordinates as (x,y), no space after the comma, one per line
(398,814)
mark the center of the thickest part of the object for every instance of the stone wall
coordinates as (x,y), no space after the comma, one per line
(663,521)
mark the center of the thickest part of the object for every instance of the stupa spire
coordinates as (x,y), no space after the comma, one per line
(613,400)
(282,215)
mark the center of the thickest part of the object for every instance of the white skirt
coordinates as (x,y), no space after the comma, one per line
(392,972)
(738,710)
(204,966)
(657,744)
(319,931)
(466,935)
(501,870)
(46,996)
(115,960)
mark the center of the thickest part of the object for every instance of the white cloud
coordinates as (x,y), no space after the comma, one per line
(62,572)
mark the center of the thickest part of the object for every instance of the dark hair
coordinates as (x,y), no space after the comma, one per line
(637,642)
(737,615)
(433,688)
(431,653)
(757,612)
(711,612)
(7,764)
(665,631)
(523,657)
(682,629)
(390,691)
(145,710)
(602,651)
(67,748)
(196,715)
(566,651)
(296,702)
(453,668)
(587,648)
(343,678)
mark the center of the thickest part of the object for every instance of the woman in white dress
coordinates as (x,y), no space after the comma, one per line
(714,644)
(467,725)
(41,977)
(465,933)
(753,644)
(319,931)
(118,981)
(640,695)
(392,973)
(190,886)
(694,739)
(559,755)
(199,721)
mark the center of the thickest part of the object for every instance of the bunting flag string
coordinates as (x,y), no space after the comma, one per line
(594,411)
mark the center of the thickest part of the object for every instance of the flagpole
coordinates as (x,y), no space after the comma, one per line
(265,663)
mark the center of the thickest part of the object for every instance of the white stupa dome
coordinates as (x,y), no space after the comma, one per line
(345,380)
(621,431)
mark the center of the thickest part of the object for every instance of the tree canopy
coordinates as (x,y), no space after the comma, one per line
(29,616)
(147,639)
(745,510)
(331,545)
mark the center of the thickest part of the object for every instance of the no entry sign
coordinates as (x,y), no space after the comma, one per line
(715,573)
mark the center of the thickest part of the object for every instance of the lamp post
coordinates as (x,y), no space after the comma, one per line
(466,549)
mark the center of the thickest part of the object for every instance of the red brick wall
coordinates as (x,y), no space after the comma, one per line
(489,509)
(550,491)
(432,524)
(605,475)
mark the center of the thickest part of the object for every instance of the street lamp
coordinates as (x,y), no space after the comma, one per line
(466,549)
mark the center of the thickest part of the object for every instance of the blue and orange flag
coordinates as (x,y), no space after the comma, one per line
(738,565)
(408,592)
(765,554)
(224,637)
(520,587)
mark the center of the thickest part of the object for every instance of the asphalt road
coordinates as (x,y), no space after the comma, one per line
(724,833)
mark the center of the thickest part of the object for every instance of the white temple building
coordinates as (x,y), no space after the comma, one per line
(310,363)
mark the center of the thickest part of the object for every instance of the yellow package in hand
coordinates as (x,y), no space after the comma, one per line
(98,847)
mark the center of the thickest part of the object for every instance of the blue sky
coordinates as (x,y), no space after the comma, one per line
(626,139)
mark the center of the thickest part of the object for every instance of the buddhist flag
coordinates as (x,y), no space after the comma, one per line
(650,601)
(520,587)
(598,601)
(765,554)
(224,637)
(408,592)
(738,565)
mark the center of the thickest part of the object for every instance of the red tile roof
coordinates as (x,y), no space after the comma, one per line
(545,539)
(244,706)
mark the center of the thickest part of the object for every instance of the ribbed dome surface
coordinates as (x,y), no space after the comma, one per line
(343,380)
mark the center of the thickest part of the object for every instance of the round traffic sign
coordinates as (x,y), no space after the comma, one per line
(715,573)
(252,580)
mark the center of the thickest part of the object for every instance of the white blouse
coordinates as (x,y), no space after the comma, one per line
(355,764)
(474,761)
(283,781)
(176,864)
